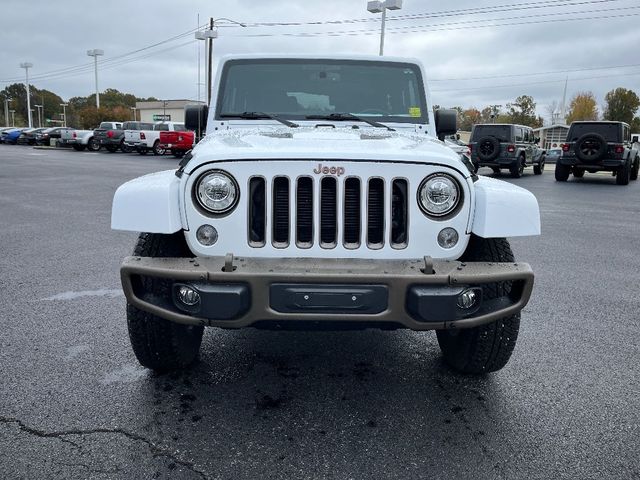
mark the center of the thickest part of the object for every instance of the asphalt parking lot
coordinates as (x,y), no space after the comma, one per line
(75,404)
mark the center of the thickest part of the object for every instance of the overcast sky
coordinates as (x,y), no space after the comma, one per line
(516,42)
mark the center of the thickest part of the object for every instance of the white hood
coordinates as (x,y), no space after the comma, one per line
(317,143)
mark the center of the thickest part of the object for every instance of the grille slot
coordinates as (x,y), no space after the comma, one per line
(304,212)
(328,212)
(281,212)
(352,208)
(257,212)
(399,214)
(375,214)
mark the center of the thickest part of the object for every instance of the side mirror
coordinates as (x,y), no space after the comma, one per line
(446,123)
(195,118)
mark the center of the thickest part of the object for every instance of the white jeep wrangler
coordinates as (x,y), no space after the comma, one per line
(321,197)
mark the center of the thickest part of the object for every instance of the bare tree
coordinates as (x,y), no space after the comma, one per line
(551,109)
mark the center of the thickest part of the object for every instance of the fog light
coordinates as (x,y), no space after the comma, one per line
(207,235)
(467,299)
(448,237)
(188,296)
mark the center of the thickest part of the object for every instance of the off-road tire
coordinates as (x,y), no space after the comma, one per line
(634,170)
(157,150)
(488,148)
(157,343)
(486,348)
(578,172)
(111,148)
(538,168)
(562,172)
(623,175)
(78,148)
(93,145)
(518,169)
(590,147)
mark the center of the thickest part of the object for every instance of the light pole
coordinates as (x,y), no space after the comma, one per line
(38,107)
(27,66)
(13,117)
(6,111)
(64,113)
(133,110)
(382,7)
(95,53)
(210,34)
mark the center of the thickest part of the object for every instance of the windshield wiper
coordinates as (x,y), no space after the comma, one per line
(348,116)
(258,115)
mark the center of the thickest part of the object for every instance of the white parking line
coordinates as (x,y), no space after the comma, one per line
(87,293)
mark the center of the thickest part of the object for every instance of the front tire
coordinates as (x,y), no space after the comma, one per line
(539,167)
(486,348)
(624,174)
(634,170)
(562,172)
(157,343)
(518,169)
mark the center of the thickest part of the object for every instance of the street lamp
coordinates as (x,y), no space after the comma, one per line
(382,7)
(209,35)
(133,110)
(13,117)
(27,66)
(95,53)
(64,113)
(38,107)
(6,111)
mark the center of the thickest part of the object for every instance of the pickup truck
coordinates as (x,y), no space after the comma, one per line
(323,198)
(144,140)
(178,142)
(111,134)
(79,139)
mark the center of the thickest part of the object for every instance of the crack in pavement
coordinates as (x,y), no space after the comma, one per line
(156,450)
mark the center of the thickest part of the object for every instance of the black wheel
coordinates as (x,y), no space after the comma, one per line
(488,148)
(538,168)
(486,348)
(562,172)
(125,148)
(634,170)
(496,170)
(624,174)
(158,343)
(578,172)
(78,148)
(590,147)
(93,145)
(157,149)
(518,168)
(111,148)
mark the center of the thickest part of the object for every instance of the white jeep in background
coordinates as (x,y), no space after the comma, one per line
(322,198)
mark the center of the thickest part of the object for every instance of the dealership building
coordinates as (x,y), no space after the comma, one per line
(163,110)
(552,136)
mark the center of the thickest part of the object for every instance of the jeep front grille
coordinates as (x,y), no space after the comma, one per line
(328,211)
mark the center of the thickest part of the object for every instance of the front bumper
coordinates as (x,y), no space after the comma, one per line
(242,292)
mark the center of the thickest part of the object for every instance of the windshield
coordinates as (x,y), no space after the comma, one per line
(295,89)
(610,131)
(501,132)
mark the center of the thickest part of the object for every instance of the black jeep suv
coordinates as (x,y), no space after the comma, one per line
(501,145)
(599,146)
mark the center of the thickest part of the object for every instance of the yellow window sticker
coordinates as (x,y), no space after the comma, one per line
(415,112)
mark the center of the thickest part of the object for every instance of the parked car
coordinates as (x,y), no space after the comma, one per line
(178,142)
(291,215)
(146,140)
(599,146)
(11,136)
(45,136)
(111,135)
(554,154)
(80,139)
(28,136)
(506,146)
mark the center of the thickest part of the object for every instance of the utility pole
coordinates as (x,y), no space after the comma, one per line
(133,110)
(64,112)
(95,53)
(13,117)
(27,66)
(382,7)
(38,107)
(563,117)
(6,111)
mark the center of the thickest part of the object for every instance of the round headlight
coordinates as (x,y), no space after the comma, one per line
(217,192)
(439,195)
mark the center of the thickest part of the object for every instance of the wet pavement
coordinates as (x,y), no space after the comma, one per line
(74,403)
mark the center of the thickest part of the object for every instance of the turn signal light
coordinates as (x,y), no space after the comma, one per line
(511,148)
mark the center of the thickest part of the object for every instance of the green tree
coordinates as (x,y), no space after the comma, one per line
(17,93)
(523,112)
(583,106)
(621,105)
